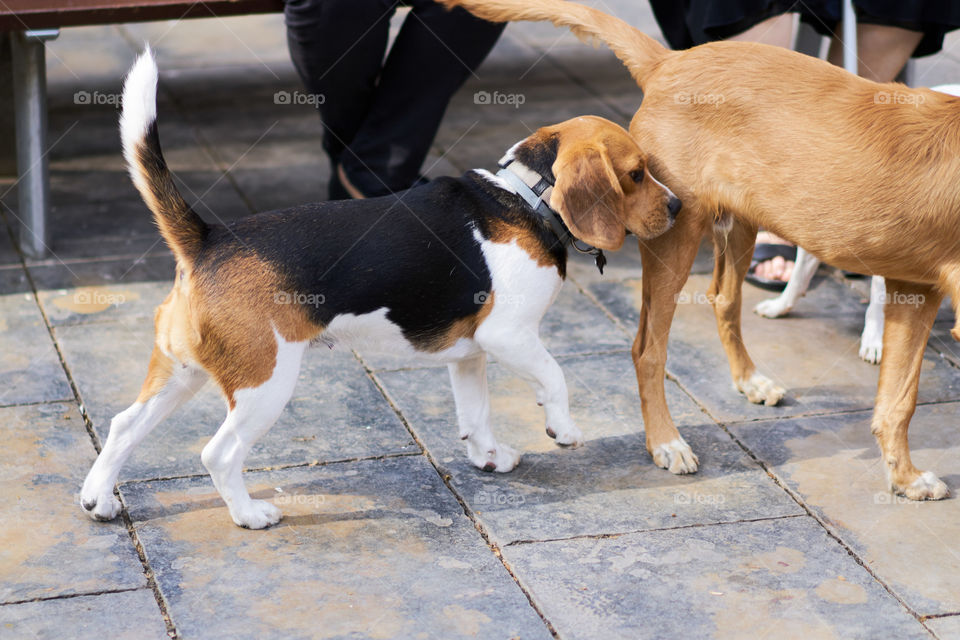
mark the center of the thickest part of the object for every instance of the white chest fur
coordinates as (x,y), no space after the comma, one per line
(522,291)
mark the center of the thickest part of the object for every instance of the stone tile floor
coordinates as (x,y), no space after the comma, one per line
(785,532)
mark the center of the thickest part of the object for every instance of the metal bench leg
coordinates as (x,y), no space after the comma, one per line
(30,107)
(850,38)
(908,74)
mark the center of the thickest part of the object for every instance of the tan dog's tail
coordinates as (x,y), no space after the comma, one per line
(638,51)
(179,225)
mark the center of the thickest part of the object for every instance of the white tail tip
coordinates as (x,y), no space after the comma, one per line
(139,101)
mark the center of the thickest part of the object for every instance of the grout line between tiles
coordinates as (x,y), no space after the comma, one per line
(796,497)
(37,403)
(69,596)
(279,467)
(938,616)
(696,525)
(826,527)
(53,262)
(558,356)
(467,511)
(88,424)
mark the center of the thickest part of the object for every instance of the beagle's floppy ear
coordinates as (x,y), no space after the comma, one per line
(588,195)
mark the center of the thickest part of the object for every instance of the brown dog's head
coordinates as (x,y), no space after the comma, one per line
(601,185)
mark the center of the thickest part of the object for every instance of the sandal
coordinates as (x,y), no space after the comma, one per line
(764,252)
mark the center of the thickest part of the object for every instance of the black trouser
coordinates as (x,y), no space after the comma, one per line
(380,117)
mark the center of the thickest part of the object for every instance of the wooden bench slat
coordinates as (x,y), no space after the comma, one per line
(17,15)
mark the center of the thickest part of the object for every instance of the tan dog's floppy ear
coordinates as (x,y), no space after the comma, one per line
(588,196)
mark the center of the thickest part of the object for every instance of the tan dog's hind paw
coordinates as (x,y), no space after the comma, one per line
(927,486)
(676,456)
(760,389)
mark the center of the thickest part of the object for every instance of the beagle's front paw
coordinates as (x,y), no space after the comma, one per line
(676,456)
(501,458)
(96,497)
(102,508)
(760,389)
(257,514)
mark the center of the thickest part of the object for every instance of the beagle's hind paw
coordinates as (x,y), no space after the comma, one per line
(256,514)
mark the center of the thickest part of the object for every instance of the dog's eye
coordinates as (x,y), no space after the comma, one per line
(637,175)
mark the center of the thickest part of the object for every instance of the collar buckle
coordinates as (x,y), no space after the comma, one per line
(533,196)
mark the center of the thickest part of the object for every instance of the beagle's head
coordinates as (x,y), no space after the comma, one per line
(602,188)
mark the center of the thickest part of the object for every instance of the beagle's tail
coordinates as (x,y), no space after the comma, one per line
(180,226)
(638,51)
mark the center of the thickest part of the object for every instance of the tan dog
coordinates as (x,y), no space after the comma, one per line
(862,175)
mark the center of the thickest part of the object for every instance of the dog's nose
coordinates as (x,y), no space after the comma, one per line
(673,206)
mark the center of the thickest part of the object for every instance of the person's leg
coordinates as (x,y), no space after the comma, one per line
(434,53)
(776,268)
(882,50)
(337,47)
(777,31)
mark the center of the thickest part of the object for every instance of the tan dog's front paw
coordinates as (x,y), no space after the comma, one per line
(760,389)
(927,486)
(676,456)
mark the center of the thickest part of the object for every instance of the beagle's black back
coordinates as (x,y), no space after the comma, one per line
(414,253)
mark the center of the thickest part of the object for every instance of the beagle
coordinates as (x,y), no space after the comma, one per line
(863,175)
(450,271)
